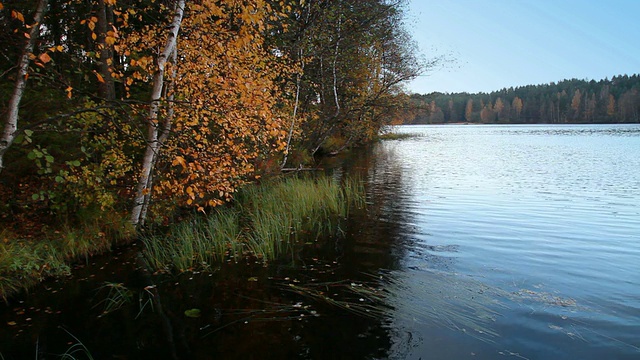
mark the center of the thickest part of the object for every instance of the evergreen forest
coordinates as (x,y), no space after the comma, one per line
(615,100)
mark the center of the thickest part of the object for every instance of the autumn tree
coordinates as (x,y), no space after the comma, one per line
(576,100)
(517,106)
(611,105)
(355,56)
(157,129)
(468,112)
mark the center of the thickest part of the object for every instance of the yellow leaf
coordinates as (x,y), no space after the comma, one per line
(180,160)
(91,25)
(17,15)
(68,90)
(44,57)
(94,36)
(100,78)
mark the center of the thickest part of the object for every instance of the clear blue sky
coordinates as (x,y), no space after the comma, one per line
(493,44)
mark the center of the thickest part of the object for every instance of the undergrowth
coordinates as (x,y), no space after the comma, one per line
(26,261)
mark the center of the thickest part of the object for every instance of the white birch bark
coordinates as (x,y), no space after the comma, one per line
(11,121)
(155,131)
(295,113)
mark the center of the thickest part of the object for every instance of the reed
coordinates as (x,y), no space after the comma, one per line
(264,221)
(117,296)
(76,350)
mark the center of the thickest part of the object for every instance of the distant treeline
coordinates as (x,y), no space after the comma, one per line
(569,101)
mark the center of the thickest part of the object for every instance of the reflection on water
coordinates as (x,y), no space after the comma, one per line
(478,242)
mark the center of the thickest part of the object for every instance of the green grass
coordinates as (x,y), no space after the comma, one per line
(25,262)
(264,221)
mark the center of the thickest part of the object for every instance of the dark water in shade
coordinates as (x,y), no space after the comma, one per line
(483,242)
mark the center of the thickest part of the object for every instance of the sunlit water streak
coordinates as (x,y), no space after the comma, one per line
(546,217)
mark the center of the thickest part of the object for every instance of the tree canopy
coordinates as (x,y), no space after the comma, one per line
(142,106)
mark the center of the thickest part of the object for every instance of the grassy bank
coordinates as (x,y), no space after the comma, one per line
(26,261)
(264,222)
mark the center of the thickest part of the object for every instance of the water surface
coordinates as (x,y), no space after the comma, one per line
(542,220)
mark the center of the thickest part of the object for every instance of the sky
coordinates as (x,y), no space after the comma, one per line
(493,44)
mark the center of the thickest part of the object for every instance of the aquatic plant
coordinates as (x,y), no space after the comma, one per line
(363,299)
(264,221)
(117,296)
(76,349)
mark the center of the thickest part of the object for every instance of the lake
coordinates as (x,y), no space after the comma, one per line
(544,221)
(478,242)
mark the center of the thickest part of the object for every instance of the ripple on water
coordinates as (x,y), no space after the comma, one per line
(540,214)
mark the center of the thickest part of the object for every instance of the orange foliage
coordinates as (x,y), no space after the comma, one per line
(228,115)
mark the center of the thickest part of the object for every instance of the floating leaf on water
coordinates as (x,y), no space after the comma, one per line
(192,313)
(11,323)
(253,278)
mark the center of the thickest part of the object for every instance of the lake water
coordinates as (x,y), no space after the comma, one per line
(478,242)
(543,222)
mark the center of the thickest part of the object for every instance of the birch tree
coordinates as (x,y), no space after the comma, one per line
(157,132)
(11,120)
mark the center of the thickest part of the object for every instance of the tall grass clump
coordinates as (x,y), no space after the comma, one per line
(263,221)
(117,297)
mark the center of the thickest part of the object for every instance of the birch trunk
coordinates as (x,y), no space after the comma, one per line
(154,134)
(164,131)
(295,113)
(11,121)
